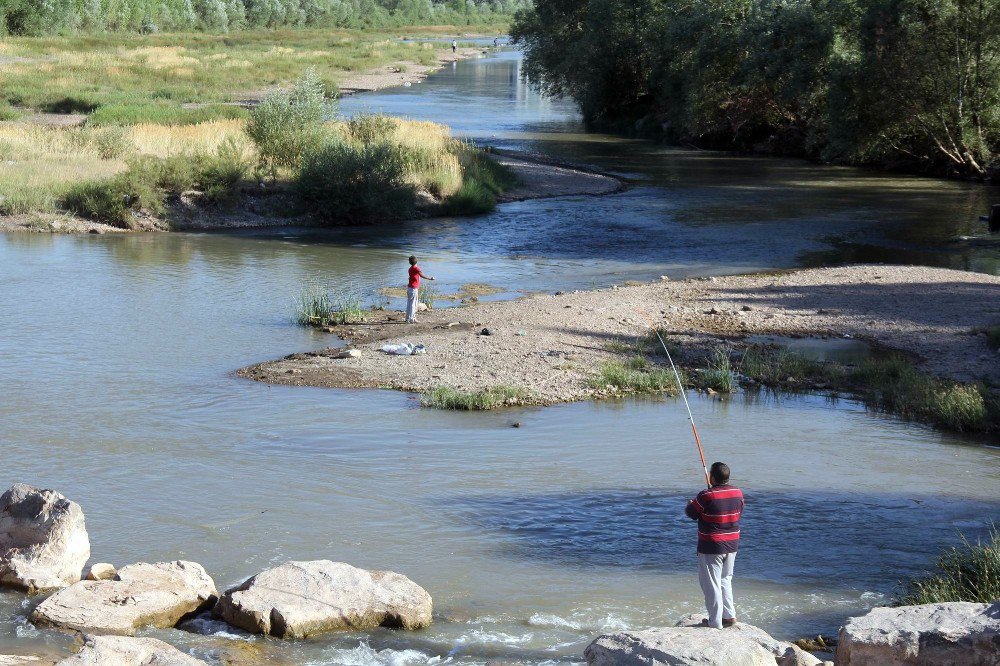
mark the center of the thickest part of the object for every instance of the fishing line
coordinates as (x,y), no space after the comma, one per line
(687,405)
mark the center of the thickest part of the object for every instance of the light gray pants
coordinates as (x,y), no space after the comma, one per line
(411,304)
(715,573)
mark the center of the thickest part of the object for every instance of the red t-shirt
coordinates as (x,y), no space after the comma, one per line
(415,275)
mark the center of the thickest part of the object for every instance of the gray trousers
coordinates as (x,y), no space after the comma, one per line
(715,573)
(411,304)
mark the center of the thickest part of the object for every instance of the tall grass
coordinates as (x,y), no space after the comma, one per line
(895,385)
(970,572)
(891,383)
(318,307)
(635,375)
(428,294)
(719,376)
(145,186)
(498,396)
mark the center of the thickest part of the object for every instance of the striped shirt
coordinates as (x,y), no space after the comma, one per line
(718,512)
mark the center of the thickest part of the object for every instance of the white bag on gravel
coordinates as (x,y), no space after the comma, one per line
(405,349)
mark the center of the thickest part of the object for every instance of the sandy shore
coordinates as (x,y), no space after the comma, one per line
(537,180)
(552,344)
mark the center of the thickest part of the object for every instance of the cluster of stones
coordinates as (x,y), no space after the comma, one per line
(44,546)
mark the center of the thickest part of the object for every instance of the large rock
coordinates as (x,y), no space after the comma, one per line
(691,644)
(298,599)
(140,595)
(43,539)
(125,651)
(948,634)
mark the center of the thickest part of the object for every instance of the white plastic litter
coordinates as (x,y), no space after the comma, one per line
(405,349)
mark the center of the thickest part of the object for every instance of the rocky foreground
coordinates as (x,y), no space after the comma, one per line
(42,537)
(552,344)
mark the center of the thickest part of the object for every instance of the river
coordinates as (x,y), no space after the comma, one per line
(116,387)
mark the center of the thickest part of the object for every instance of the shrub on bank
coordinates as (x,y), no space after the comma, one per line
(970,572)
(345,183)
(288,124)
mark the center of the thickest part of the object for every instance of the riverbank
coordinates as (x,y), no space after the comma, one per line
(550,346)
(257,207)
(403,72)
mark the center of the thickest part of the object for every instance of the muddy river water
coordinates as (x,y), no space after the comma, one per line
(116,388)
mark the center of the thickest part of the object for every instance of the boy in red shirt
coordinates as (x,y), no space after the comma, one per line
(412,290)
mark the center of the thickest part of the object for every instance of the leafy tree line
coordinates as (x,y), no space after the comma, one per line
(907,84)
(39,17)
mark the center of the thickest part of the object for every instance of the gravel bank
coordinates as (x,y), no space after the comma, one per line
(551,344)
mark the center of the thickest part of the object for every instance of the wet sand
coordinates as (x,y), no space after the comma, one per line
(552,344)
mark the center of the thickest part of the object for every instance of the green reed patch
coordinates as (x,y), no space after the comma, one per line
(969,572)
(635,375)
(318,307)
(445,397)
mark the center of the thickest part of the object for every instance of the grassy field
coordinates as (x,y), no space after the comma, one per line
(39,165)
(147,78)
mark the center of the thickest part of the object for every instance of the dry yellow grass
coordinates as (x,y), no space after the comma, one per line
(39,163)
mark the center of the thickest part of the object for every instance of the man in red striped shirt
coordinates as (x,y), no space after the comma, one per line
(717,510)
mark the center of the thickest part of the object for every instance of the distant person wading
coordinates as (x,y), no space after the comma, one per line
(413,290)
(717,510)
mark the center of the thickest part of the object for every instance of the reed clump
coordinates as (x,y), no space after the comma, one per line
(969,572)
(635,375)
(445,397)
(319,307)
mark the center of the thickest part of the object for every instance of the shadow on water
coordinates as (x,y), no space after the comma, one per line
(803,536)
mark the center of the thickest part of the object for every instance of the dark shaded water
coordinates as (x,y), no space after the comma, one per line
(116,387)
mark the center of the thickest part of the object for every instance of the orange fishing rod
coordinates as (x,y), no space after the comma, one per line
(687,405)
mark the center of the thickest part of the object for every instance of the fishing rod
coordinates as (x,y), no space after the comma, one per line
(687,405)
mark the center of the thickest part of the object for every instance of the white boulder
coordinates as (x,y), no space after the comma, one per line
(689,643)
(126,651)
(101,571)
(43,539)
(140,595)
(299,599)
(946,634)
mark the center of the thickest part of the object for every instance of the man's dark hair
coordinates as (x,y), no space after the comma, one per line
(413,260)
(719,472)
